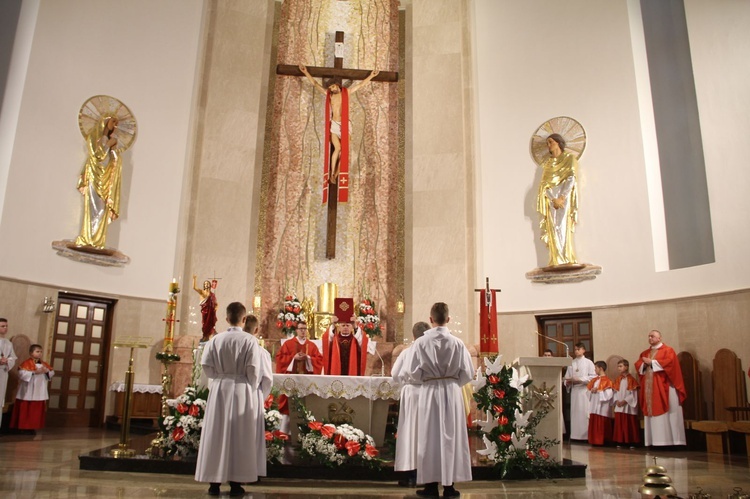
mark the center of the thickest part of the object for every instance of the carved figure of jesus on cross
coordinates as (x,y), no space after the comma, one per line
(336,162)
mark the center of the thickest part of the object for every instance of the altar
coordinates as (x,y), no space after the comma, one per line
(361,401)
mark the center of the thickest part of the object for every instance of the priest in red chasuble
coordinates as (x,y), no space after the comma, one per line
(344,351)
(297,355)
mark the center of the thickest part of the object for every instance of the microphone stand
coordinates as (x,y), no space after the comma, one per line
(567,351)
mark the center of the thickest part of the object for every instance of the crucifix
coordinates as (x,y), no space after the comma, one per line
(336,173)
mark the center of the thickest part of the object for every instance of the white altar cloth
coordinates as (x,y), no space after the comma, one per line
(365,398)
(347,387)
(119,386)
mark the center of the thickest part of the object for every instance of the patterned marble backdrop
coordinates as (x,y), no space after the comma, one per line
(292,228)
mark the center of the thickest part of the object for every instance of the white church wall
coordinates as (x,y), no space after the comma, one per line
(536,60)
(145,54)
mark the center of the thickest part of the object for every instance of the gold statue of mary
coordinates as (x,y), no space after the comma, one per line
(109,129)
(556,147)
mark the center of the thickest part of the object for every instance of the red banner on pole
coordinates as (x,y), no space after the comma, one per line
(488,344)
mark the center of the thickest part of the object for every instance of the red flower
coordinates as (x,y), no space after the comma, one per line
(269,402)
(194,410)
(182,408)
(269,436)
(315,425)
(279,324)
(178,434)
(530,454)
(280,435)
(505,437)
(339,441)
(493,379)
(352,448)
(288,298)
(498,409)
(502,421)
(543,453)
(369,325)
(500,394)
(328,430)
(371,451)
(289,323)
(288,308)
(367,302)
(296,309)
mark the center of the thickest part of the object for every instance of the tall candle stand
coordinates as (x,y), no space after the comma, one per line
(166,357)
(123,448)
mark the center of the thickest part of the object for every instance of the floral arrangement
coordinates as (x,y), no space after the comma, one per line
(335,445)
(507,431)
(368,319)
(182,428)
(290,314)
(275,438)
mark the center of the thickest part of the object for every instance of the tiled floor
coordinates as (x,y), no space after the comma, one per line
(47,466)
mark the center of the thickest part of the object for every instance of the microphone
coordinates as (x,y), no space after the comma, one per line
(567,352)
(382,364)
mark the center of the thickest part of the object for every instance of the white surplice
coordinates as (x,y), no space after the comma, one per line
(408,412)
(630,397)
(581,369)
(233,445)
(6,351)
(441,362)
(600,402)
(33,386)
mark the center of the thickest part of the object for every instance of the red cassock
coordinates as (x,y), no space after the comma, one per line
(343,355)
(656,402)
(285,356)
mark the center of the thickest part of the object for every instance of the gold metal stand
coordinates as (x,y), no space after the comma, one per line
(123,448)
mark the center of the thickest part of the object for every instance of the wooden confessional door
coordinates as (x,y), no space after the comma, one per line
(80,349)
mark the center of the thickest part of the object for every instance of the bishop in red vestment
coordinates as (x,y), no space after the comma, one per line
(344,351)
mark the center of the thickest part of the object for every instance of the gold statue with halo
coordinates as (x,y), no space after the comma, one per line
(109,129)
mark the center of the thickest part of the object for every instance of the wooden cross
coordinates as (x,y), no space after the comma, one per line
(350,74)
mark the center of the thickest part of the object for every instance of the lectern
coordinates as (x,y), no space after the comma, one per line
(546,393)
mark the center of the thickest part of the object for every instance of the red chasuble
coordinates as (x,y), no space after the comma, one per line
(343,180)
(343,356)
(284,357)
(654,393)
(289,349)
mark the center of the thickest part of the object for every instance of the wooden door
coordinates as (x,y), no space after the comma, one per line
(80,349)
(569,329)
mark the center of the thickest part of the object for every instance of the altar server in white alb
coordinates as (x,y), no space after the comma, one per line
(408,412)
(233,446)
(7,361)
(576,380)
(442,364)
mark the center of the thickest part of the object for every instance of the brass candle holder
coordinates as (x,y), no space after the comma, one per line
(166,357)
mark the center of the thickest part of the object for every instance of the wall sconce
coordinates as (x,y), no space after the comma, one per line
(256,302)
(48,305)
(400,306)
